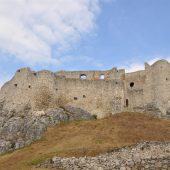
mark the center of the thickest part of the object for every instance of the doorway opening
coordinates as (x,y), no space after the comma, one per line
(127,102)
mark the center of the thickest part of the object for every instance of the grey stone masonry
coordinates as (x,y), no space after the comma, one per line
(145,155)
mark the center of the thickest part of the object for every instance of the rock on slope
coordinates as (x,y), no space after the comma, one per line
(18,129)
(145,155)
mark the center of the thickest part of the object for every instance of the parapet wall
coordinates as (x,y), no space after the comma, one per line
(112,74)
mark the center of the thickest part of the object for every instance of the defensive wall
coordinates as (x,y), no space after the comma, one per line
(100,92)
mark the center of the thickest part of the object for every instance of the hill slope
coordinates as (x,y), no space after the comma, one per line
(88,138)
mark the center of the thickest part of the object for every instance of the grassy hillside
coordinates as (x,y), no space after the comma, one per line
(88,138)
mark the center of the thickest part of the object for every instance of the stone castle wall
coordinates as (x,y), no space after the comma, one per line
(99,92)
(151,88)
(43,90)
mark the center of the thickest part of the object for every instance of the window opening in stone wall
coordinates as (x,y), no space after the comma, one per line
(19,71)
(102,77)
(166,78)
(127,102)
(83,77)
(75,98)
(132,84)
(168,112)
(84,96)
(29,86)
(35,74)
(15,85)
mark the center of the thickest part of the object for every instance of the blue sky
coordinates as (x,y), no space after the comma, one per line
(82,34)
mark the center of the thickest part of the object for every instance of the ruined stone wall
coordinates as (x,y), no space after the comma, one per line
(145,155)
(158,80)
(98,97)
(148,90)
(43,90)
(144,91)
(112,74)
(36,89)
(135,90)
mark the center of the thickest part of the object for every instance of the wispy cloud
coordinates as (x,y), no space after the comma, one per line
(136,66)
(4,77)
(29,29)
(158,58)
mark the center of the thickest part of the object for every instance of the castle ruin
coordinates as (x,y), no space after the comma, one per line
(101,93)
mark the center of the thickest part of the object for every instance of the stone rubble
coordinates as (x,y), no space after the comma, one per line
(145,155)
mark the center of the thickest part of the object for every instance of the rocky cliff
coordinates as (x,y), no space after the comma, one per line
(18,129)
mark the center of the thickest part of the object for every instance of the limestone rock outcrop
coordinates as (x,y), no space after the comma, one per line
(18,130)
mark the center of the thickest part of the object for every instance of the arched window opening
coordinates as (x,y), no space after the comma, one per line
(132,84)
(127,102)
(102,77)
(35,74)
(83,77)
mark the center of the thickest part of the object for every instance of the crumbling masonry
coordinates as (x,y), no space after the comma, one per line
(99,92)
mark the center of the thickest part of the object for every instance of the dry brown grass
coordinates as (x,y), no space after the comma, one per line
(88,138)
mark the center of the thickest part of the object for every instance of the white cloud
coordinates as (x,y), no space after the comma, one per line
(29,29)
(158,58)
(4,77)
(150,62)
(2,81)
(136,66)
